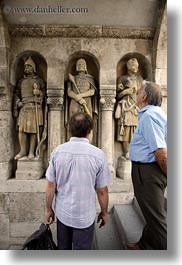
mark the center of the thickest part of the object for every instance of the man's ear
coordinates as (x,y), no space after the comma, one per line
(144,97)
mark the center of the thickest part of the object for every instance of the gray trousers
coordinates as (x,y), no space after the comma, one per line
(149,184)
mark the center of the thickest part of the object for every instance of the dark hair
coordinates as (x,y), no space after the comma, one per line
(81,124)
(153,92)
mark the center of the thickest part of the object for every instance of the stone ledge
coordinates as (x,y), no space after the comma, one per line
(24,230)
(14,185)
(86,31)
(128,33)
(120,185)
(117,198)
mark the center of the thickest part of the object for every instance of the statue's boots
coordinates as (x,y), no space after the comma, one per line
(31,156)
(20,155)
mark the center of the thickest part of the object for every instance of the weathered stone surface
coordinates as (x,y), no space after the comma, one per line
(22,230)
(118,185)
(123,169)
(27,169)
(135,13)
(117,198)
(3,56)
(108,76)
(2,39)
(5,170)
(26,31)
(3,75)
(128,33)
(161,58)
(73,31)
(161,76)
(55,77)
(5,135)
(23,186)
(55,129)
(144,47)
(164,104)
(27,207)
(4,203)
(81,31)
(4,230)
(66,48)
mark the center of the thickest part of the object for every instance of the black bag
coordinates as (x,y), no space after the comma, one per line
(40,240)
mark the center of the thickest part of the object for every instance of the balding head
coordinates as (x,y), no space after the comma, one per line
(81,125)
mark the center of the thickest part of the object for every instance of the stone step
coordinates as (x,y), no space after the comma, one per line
(107,237)
(129,222)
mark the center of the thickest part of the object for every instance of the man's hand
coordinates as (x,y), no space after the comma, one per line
(49,216)
(103,218)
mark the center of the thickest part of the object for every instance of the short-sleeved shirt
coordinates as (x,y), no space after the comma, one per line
(150,134)
(78,169)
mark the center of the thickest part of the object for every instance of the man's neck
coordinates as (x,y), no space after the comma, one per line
(143,105)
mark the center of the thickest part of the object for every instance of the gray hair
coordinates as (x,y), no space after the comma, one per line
(153,92)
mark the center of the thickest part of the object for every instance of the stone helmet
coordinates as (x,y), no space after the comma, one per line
(81,65)
(31,62)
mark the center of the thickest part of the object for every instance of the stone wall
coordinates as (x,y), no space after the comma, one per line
(22,202)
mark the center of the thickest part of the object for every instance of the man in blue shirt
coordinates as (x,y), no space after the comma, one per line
(77,172)
(148,153)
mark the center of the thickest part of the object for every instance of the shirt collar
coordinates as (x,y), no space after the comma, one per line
(145,108)
(79,139)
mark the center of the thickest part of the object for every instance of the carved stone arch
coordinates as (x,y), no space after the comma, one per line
(145,68)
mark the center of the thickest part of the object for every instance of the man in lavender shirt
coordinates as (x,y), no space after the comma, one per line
(77,172)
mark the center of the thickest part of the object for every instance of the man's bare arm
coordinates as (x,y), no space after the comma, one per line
(50,192)
(161,157)
(103,198)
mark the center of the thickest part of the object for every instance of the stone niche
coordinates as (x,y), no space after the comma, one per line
(123,165)
(25,168)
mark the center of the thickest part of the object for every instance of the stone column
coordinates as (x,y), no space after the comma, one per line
(55,109)
(6,150)
(107,101)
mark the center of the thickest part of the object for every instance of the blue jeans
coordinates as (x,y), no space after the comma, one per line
(69,238)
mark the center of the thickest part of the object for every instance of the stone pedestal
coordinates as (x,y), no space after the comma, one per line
(123,169)
(29,169)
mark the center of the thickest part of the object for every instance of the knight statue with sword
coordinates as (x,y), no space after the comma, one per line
(29,104)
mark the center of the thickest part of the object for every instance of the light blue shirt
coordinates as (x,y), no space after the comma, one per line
(150,134)
(78,168)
